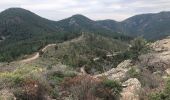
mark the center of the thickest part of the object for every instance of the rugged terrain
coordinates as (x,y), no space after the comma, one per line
(81,59)
(23,32)
(148,73)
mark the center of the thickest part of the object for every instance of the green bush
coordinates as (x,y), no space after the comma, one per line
(113,85)
(138,46)
(109,90)
(157,96)
(133,73)
(56,77)
(55,93)
(164,95)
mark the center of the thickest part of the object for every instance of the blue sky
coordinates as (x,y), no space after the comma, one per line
(94,9)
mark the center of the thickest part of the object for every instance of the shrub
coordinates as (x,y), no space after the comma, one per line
(55,93)
(81,87)
(138,46)
(27,83)
(89,88)
(10,79)
(133,73)
(31,90)
(114,85)
(56,77)
(70,74)
(164,95)
(156,96)
(149,80)
(109,90)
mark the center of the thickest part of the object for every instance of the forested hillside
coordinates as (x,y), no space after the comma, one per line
(23,32)
(151,26)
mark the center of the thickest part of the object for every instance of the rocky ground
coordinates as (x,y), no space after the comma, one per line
(154,66)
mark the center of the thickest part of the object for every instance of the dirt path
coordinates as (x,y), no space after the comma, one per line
(49,45)
(37,54)
(31,58)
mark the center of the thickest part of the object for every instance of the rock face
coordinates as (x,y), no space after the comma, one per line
(159,60)
(132,86)
(119,73)
(157,63)
(131,90)
(162,45)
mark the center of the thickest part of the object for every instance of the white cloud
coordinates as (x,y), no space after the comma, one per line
(95,9)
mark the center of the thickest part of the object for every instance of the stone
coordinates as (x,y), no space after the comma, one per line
(119,73)
(131,90)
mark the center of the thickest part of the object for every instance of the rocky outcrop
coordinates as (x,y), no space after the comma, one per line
(131,90)
(119,73)
(156,63)
(161,45)
(159,59)
(168,71)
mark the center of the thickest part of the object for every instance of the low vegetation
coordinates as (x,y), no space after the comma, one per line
(84,50)
(164,95)
(88,88)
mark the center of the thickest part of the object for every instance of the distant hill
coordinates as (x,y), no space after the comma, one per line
(17,21)
(23,32)
(110,25)
(79,23)
(151,26)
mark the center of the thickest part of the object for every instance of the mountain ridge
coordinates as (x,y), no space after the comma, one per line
(145,25)
(23,32)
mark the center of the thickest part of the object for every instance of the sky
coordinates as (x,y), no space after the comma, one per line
(95,9)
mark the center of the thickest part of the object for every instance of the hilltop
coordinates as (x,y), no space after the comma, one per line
(23,32)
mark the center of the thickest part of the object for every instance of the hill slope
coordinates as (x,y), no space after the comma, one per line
(150,26)
(92,51)
(23,32)
(79,23)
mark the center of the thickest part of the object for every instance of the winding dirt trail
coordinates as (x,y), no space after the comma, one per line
(37,54)
(47,46)
(31,58)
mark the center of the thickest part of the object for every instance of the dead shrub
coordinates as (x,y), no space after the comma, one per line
(81,87)
(31,90)
(89,88)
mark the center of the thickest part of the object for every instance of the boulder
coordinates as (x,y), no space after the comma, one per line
(125,64)
(131,90)
(159,59)
(168,71)
(119,73)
